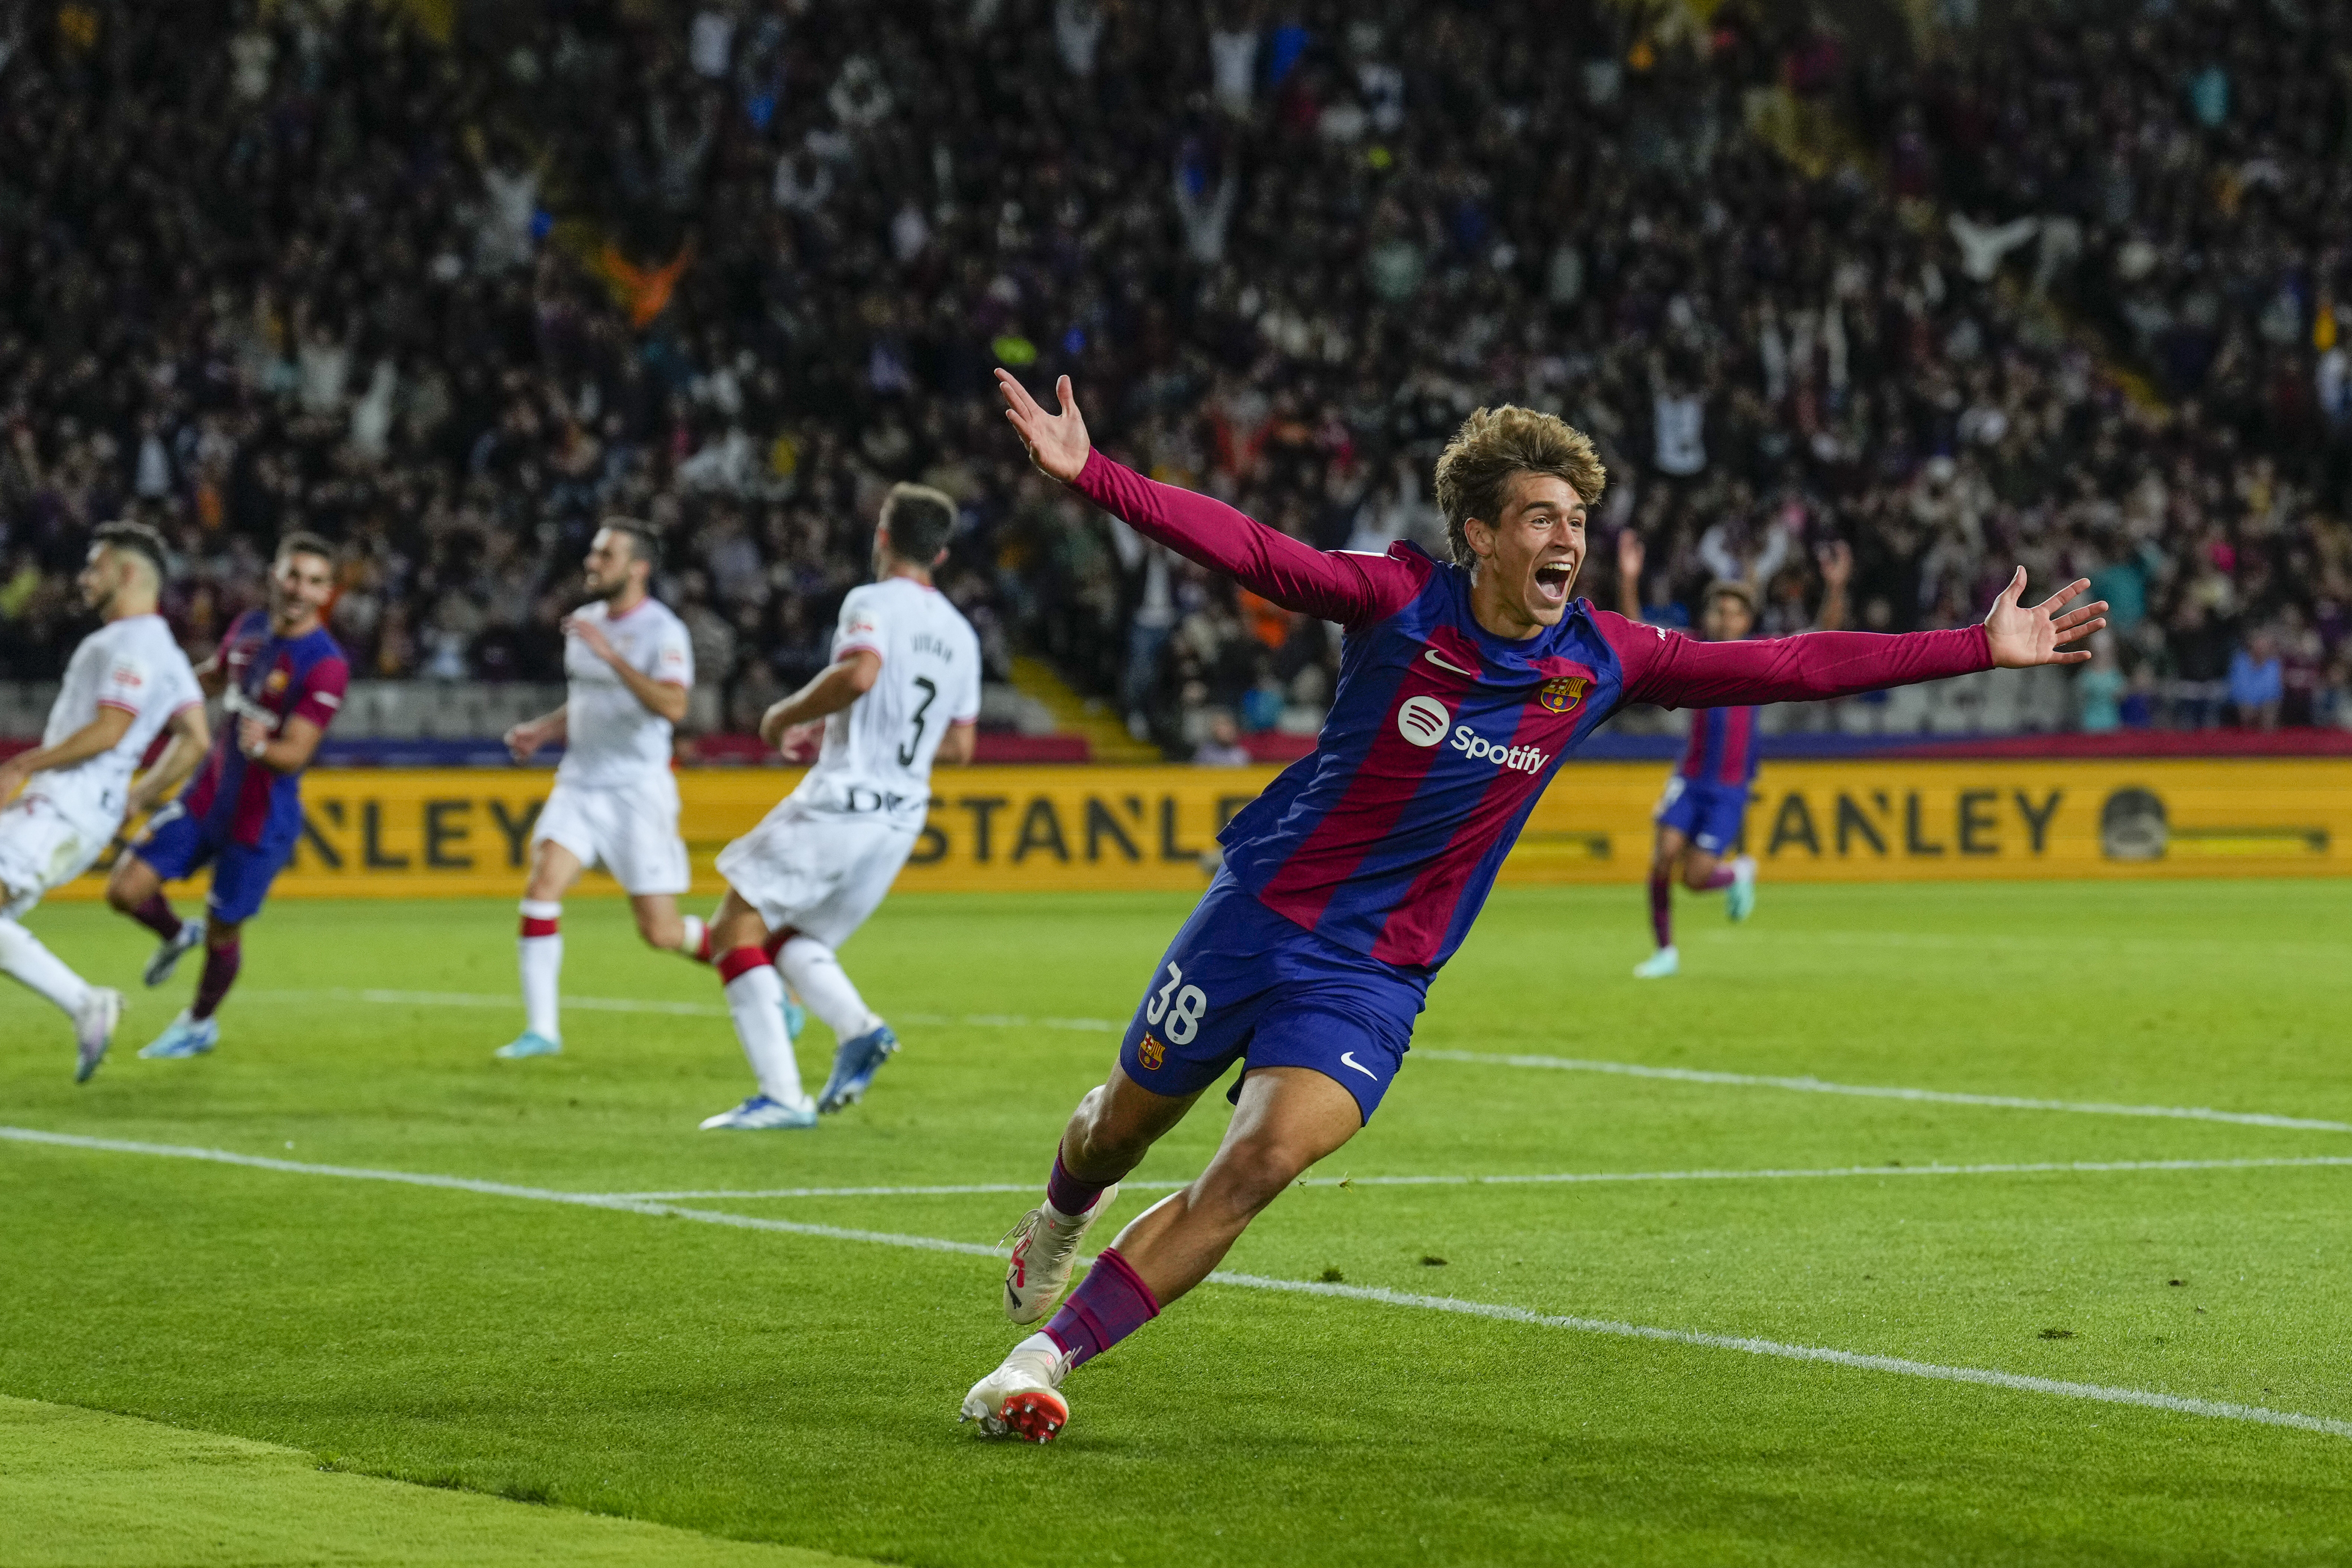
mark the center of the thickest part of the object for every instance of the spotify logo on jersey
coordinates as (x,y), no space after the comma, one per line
(1424,721)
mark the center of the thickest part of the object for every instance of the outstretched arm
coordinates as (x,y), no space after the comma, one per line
(1677,672)
(1332,585)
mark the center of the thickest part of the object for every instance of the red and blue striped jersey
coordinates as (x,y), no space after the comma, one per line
(1442,735)
(1722,749)
(287,678)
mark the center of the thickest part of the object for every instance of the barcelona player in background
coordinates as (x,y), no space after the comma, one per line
(282,679)
(1704,805)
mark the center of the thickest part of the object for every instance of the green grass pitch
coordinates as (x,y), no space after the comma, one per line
(264,1341)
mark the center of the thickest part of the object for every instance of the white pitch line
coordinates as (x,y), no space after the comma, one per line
(1888,1091)
(673,1009)
(1497,1311)
(1568,1178)
(1561,1064)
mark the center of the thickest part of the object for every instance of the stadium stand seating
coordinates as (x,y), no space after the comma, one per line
(736,268)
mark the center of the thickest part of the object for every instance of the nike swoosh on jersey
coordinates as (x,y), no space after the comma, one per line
(1432,656)
(1348,1058)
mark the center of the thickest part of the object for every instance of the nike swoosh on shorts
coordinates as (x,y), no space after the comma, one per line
(1348,1058)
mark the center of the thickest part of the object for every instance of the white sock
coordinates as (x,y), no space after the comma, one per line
(696,942)
(541,959)
(817,975)
(21,955)
(755,999)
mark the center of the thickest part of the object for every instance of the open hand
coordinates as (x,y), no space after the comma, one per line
(1058,443)
(591,635)
(799,742)
(2022,638)
(1631,553)
(1836,559)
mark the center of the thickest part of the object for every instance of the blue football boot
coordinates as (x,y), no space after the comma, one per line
(528,1044)
(762,1114)
(186,1037)
(855,1063)
(167,956)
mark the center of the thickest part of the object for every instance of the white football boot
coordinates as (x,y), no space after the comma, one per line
(1044,1249)
(1739,899)
(94,1027)
(1022,1398)
(1658,965)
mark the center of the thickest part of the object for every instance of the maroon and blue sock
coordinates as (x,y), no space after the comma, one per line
(220,974)
(1066,1192)
(1661,908)
(1723,876)
(1110,1303)
(156,915)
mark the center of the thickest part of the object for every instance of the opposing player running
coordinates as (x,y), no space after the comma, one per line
(628,665)
(1704,807)
(127,682)
(282,679)
(902,693)
(1356,875)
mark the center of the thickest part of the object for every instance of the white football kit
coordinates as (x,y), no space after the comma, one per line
(65,818)
(615,802)
(820,862)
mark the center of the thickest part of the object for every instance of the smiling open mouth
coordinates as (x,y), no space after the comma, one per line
(1552,580)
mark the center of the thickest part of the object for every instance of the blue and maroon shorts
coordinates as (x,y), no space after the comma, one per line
(1242,984)
(1711,816)
(181,846)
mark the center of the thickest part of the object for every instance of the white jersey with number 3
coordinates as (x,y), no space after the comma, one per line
(878,751)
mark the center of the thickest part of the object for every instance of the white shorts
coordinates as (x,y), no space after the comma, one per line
(819,873)
(631,830)
(40,848)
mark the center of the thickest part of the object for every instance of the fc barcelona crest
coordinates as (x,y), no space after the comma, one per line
(1562,695)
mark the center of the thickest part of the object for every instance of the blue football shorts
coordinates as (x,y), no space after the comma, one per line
(1711,816)
(180,846)
(1242,984)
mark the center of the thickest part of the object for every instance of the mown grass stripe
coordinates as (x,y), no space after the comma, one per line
(1564,1178)
(1886,1092)
(1496,1312)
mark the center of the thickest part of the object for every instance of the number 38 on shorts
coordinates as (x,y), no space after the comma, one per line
(1242,983)
(1177,1012)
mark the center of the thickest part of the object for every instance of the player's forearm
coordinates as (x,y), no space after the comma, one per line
(171,770)
(1686,673)
(834,689)
(663,699)
(98,736)
(291,751)
(1348,589)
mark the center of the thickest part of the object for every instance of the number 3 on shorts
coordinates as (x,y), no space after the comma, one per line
(1181,1008)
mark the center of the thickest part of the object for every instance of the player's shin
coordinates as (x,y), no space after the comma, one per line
(155,914)
(222,962)
(23,955)
(540,956)
(817,975)
(1662,906)
(755,1000)
(1110,1303)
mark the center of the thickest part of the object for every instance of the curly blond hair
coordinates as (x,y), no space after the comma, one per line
(1473,474)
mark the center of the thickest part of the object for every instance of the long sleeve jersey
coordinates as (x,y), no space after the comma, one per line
(1386,838)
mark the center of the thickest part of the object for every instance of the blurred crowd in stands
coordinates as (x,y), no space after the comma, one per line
(2065,294)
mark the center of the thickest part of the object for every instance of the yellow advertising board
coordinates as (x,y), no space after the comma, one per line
(397,834)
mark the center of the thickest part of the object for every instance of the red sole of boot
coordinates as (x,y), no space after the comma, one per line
(1034,1417)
